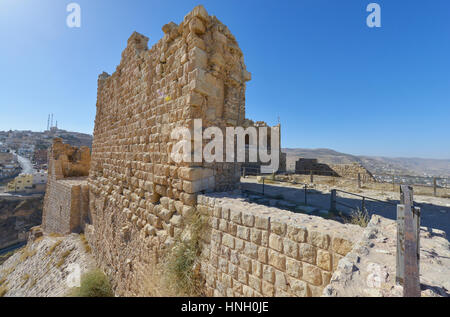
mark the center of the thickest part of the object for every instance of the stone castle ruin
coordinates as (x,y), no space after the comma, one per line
(133,202)
(308,166)
(66,199)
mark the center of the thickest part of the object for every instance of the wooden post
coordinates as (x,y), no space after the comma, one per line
(263,185)
(408,246)
(434,187)
(333,200)
(243,172)
(363,204)
(306,202)
(359,180)
(311,177)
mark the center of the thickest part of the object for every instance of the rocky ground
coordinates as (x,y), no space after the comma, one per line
(45,267)
(17,216)
(369,269)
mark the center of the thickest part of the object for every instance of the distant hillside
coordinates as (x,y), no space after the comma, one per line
(75,138)
(376,165)
(42,140)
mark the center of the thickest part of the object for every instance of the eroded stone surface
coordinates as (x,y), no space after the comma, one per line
(370,268)
(42,267)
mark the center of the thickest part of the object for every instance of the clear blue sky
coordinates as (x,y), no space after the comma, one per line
(333,81)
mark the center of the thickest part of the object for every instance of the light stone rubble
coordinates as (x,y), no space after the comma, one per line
(369,269)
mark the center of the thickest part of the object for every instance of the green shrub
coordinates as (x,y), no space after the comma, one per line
(63,258)
(93,284)
(53,247)
(86,245)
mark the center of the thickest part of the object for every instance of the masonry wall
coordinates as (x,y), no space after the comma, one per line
(352,171)
(306,166)
(254,250)
(140,200)
(137,193)
(66,201)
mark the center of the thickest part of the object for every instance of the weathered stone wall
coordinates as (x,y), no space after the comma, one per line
(352,171)
(254,250)
(66,206)
(195,72)
(137,193)
(307,166)
(256,168)
(247,249)
(369,269)
(66,201)
(140,199)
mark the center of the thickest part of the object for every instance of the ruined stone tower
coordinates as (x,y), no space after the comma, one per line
(138,196)
(66,199)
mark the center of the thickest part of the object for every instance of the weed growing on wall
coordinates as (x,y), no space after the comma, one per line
(182,265)
(360,218)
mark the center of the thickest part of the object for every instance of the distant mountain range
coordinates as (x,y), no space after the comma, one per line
(375,164)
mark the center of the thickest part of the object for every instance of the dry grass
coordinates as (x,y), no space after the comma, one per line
(53,247)
(86,245)
(183,261)
(6,256)
(3,290)
(25,279)
(359,217)
(32,283)
(55,235)
(37,240)
(63,258)
(8,271)
(26,253)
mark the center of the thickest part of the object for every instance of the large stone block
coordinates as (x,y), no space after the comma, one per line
(312,274)
(307,253)
(277,260)
(276,242)
(324,260)
(341,246)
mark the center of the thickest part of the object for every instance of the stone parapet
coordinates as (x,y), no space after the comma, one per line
(254,250)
